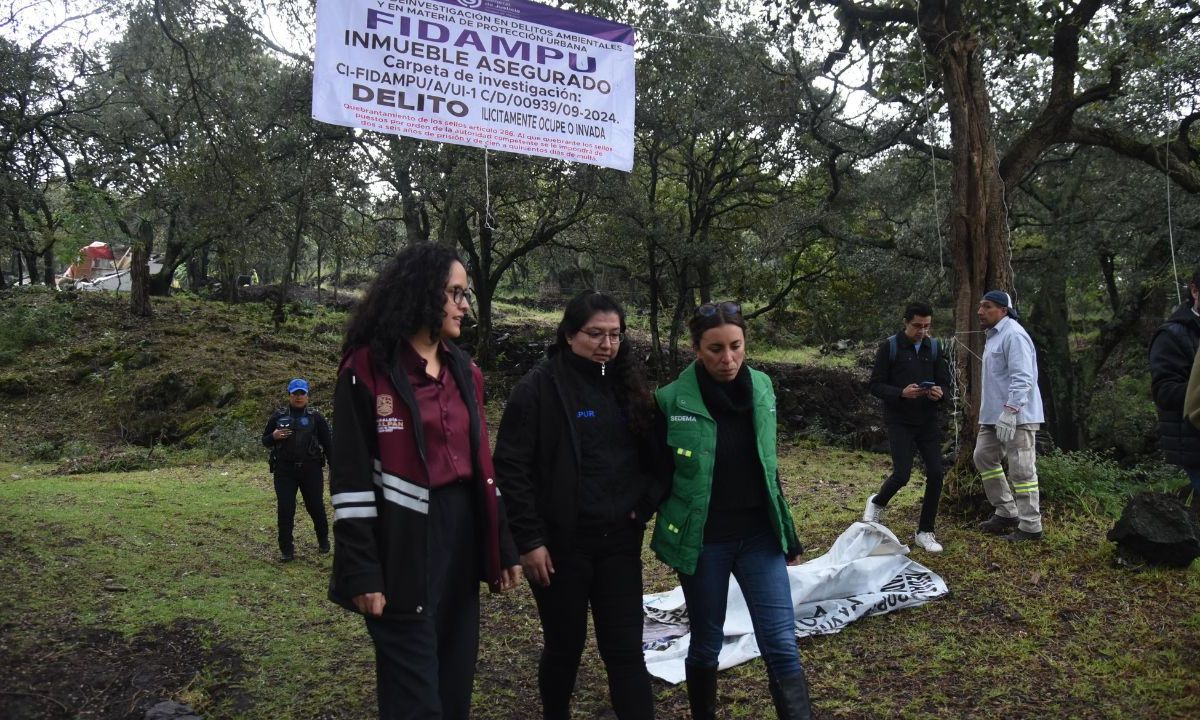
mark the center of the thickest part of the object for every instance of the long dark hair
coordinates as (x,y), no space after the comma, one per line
(632,393)
(711,315)
(408,297)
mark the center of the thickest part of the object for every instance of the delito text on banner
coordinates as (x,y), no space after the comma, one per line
(508,75)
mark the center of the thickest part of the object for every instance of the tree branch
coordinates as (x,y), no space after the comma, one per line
(1159,155)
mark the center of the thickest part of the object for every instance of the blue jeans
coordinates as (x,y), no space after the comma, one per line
(761,571)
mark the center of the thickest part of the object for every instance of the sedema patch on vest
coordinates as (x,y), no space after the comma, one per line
(384,405)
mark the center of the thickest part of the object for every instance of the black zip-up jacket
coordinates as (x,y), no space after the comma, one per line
(538,459)
(379,485)
(310,441)
(1172,351)
(890,377)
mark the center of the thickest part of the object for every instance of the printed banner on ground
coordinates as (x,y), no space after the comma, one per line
(866,572)
(507,75)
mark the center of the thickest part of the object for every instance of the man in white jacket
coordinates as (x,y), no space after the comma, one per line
(1009,417)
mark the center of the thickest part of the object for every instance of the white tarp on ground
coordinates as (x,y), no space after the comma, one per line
(866,572)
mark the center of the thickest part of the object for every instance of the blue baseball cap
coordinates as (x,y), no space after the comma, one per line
(1001,298)
(297,385)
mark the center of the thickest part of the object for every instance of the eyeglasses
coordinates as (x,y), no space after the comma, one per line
(597,336)
(728,307)
(458,295)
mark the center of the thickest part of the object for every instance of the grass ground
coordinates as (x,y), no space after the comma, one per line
(105,570)
(120,588)
(810,356)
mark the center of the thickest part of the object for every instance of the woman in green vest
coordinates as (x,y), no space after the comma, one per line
(725,514)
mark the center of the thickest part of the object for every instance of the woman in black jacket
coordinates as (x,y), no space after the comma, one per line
(574,461)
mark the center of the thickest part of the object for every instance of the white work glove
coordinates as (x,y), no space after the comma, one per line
(1006,426)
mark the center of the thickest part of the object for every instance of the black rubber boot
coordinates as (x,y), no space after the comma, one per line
(791,697)
(702,691)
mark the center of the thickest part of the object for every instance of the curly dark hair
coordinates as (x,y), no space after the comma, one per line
(407,298)
(632,393)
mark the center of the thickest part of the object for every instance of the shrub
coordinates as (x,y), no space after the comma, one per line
(112,460)
(231,438)
(72,449)
(45,451)
(23,326)
(1092,483)
(1122,416)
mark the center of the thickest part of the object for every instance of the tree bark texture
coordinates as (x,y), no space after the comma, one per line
(48,266)
(977,224)
(293,252)
(485,289)
(31,264)
(1063,388)
(139,272)
(139,269)
(654,301)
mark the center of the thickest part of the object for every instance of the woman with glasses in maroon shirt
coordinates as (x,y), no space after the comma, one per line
(418,521)
(574,456)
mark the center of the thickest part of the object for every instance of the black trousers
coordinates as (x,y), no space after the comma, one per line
(604,571)
(309,480)
(905,441)
(425,662)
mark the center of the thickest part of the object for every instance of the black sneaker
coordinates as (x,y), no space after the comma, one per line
(287,556)
(323,547)
(1020,535)
(998,525)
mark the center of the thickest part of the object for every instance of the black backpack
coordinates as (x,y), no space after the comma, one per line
(934,348)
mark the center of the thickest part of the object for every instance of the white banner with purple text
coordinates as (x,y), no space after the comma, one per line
(507,75)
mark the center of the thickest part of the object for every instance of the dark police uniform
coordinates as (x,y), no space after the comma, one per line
(296,462)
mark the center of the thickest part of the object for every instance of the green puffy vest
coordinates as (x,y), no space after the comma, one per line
(692,437)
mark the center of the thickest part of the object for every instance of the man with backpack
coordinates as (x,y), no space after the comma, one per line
(300,441)
(911,376)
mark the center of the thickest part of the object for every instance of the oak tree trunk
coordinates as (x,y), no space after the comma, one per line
(977,224)
(139,270)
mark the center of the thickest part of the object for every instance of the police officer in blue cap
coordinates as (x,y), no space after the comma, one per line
(300,441)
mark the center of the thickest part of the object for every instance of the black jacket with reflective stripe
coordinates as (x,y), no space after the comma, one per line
(379,485)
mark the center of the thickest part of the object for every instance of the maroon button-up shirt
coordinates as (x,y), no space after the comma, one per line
(444,418)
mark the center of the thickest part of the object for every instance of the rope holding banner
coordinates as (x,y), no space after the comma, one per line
(487,192)
(937,219)
(1167,177)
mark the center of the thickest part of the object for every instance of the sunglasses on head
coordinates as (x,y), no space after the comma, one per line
(728,307)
